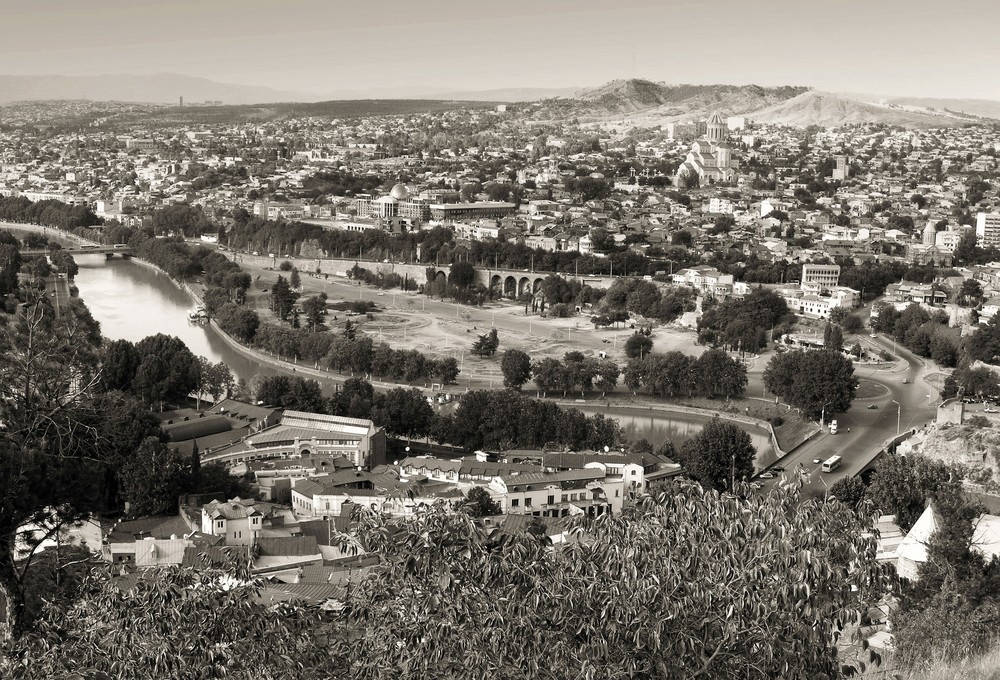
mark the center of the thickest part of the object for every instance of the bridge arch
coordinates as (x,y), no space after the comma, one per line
(537,285)
(510,287)
(496,283)
(441,277)
(524,285)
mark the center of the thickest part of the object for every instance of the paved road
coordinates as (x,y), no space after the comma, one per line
(861,431)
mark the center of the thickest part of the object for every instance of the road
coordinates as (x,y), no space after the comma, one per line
(863,431)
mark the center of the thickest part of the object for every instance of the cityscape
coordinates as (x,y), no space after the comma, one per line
(314,372)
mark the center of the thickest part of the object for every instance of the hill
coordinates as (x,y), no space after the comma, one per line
(984,108)
(157,88)
(826,109)
(644,102)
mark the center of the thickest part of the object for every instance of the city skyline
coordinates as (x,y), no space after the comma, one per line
(890,48)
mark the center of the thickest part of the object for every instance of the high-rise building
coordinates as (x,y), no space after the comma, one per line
(988,229)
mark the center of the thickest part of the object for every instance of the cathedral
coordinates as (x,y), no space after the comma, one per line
(710,157)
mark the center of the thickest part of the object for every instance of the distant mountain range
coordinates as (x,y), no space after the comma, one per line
(644,102)
(632,102)
(158,88)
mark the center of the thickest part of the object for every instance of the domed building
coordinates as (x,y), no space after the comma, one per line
(400,192)
(710,158)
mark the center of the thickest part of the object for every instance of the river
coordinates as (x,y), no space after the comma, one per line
(132,301)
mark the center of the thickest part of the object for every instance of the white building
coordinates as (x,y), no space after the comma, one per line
(988,229)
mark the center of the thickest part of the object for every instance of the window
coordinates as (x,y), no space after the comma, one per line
(527,502)
(514,503)
(552,500)
(221,524)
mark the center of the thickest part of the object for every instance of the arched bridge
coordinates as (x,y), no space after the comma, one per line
(510,283)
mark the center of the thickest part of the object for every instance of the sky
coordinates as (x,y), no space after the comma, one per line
(887,47)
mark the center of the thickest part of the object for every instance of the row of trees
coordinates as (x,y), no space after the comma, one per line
(920,331)
(675,375)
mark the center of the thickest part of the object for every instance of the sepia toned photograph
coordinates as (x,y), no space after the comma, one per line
(439,340)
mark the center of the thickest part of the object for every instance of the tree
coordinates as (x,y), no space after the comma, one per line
(833,338)
(180,623)
(282,298)
(479,503)
(849,491)
(119,365)
(403,412)
(902,485)
(153,479)
(638,346)
(462,274)
(547,374)
(450,593)
(167,370)
(719,374)
(718,455)
(314,309)
(971,292)
(516,368)
(10,265)
(486,345)
(294,281)
(817,381)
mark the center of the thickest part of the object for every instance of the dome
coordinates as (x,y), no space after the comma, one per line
(716,119)
(400,192)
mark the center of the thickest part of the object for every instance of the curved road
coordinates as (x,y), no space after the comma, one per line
(862,432)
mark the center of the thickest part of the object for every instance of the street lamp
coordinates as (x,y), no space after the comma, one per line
(899,412)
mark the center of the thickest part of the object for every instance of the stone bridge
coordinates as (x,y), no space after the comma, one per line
(510,282)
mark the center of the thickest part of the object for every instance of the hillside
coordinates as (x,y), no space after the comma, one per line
(826,109)
(974,107)
(643,102)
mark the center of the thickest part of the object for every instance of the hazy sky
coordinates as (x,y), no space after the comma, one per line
(898,47)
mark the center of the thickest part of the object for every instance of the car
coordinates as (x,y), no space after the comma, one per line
(380,294)
(990,409)
(906,381)
(873,407)
(874,335)
(606,341)
(777,468)
(766,475)
(816,461)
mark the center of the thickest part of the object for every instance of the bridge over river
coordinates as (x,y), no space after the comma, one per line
(85,249)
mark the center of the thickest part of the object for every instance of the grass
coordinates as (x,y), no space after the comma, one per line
(983,667)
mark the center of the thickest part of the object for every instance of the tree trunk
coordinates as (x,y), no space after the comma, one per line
(11,595)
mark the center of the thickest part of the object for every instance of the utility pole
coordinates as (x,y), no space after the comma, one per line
(899,413)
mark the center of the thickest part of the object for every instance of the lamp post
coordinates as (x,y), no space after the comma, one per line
(899,413)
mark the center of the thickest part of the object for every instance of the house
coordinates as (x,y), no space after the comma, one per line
(238,521)
(559,494)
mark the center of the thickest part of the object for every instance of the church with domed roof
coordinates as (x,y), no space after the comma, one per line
(710,157)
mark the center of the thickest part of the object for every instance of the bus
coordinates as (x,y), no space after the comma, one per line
(831,463)
(833,427)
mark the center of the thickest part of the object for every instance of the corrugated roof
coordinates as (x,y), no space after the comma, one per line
(289,546)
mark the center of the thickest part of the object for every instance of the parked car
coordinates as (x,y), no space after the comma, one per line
(873,407)
(906,381)
(766,475)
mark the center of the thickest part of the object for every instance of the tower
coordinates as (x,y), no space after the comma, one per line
(715,130)
(930,233)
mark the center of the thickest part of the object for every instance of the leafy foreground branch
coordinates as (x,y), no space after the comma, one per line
(689,583)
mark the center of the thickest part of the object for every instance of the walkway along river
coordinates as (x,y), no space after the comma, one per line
(132,300)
